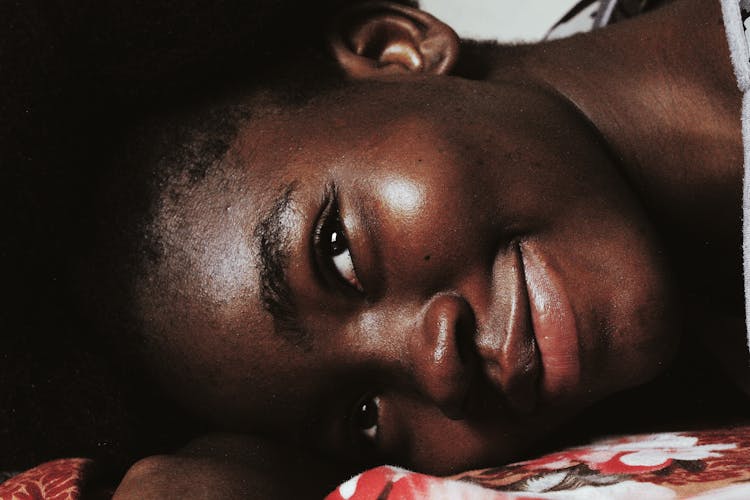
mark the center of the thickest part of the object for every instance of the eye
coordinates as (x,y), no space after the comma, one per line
(334,248)
(365,418)
(342,258)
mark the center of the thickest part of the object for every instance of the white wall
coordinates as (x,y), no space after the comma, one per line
(503,20)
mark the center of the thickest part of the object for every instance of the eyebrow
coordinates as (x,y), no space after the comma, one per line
(273,241)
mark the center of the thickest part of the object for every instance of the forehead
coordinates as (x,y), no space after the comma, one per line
(208,331)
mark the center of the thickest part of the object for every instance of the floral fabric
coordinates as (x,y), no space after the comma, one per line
(707,464)
(691,465)
(57,480)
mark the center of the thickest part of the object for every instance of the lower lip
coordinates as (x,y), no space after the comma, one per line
(554,324)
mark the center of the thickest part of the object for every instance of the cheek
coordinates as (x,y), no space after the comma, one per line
(402,197)
(431,226)
(432,443)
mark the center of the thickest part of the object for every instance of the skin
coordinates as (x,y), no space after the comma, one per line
(467,235)
(516,249)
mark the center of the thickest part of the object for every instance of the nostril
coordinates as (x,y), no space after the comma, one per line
(444,357)
(465,331)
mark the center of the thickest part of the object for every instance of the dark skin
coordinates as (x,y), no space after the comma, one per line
(468,263)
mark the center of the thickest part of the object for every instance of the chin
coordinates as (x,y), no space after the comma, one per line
(640,362)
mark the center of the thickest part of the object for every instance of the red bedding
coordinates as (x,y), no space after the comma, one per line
(706,464)
(57,480)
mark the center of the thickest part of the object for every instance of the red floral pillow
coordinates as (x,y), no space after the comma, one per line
(57,480)
(711,464)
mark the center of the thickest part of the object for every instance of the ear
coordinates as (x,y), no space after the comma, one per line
(374,39)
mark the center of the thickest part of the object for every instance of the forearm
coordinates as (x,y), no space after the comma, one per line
(231,466)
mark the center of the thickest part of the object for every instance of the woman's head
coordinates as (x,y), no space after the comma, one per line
(425,270)
(445,267)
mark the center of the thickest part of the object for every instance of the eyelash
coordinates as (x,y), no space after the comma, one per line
(332,245)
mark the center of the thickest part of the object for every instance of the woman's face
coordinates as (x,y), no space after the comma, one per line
(434,273)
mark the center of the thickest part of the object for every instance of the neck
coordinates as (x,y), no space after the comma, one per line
(661,91)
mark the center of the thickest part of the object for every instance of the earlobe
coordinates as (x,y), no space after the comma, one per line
(374,39)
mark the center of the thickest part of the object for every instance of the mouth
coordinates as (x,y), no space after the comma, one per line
(553,323)
(507,345)
(529,347)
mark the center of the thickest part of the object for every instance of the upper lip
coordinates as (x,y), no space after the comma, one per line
(506,343)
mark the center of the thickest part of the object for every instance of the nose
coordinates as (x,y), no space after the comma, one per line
(443,354)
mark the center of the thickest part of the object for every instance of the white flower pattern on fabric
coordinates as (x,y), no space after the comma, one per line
(612,469)
(634,454)
(349,488)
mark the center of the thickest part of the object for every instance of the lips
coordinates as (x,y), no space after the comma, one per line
(528,345)
(506,344)
(553,322)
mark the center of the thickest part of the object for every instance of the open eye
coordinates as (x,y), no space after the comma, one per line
(334,246)
(342,258)
(365,418)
